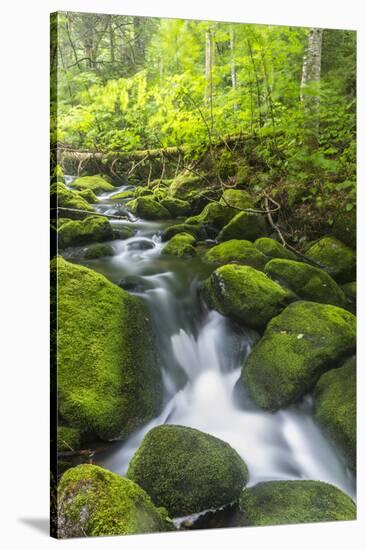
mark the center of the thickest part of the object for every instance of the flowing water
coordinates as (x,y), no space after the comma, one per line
(201,354)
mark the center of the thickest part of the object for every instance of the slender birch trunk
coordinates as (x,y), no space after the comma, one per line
(310,85)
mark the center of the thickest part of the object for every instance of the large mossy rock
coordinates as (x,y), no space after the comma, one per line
(97,184)
(214,216)
(94,502)
(98,250)
(236,198)
(244,226)
(180,245)
(187,185)
(337,258)
(350,290)
(89,196)
(186,470)
(148,209)
(235,251)
(109,382)
(273,249)
(190,228)
(245,294)
(299,345)
(335,407)
(61,197)
(123,195)
(177,207)
(286,502)
(345,227)
(90,230)
(306,281)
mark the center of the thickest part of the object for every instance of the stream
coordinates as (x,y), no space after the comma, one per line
(201,354)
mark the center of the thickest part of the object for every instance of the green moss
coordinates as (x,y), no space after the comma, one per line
(345,227)
(89,196)
(68,439)
(57,174)
(299,345)
(95,502)
(122,195)
(109,384)
(350,290)
(308,282)
(185,185)
(186,470)
(245,294)
(214,215)
(142,191)
(62,197)
(176,207)
(273,249)
(335,407)
(97,184)
(286,502)
(236,251)
(244,226)
(192,229)
(181,245)
(237,199)
(148,209)
(336,257)
(91,229)
(98,251)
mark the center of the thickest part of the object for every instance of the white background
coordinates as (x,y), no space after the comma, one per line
(24,270)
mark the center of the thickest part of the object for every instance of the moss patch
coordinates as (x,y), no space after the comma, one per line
(237,199)
(335,407)
(185,185)
(308,282)
(148,209)
(89,196)
(96,502)
(244,226)
(273,249)
(91,229)
(337,258)
(285,502)
(245,294)
(181,245)
(299,345)
(122,195)
(109,384)
(236,251)
(186,470)
(62,197)
(97,184)
(68,439)
(98,251)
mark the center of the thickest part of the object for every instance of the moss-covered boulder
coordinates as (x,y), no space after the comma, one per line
(62,198)
(90,230)
(308,282)
(235,251)
(109,384)
(345,227)
(180,245)
(337,258)
(142,191)
(68,439)
(98,251)
(214,215)
(57,174)
(186,185)
(273,249)
(286,502)
(299,345)
(186,470)
(177,207)
(195,230)
(97,184)
(335,407)
(245,294)
(350,290)
(236,198)
(89,196)
(244,226)
(123,195)
(148,209)
(93,501)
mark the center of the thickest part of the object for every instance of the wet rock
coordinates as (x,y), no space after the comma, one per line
(186,470)
(140,244)
(98,251)
(335,407)
(300,344)
(337,258)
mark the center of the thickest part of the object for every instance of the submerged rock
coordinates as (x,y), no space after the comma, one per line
(337,258)
(97,184)
(108,383)
(286,502)
(93,501)
(244,226)
(273,249)
(148,209)
(308,282)
(90,230)
(303,342)
(335,407)
(236,251)
(98,251)
(186,470)
(181,245)
(245,295)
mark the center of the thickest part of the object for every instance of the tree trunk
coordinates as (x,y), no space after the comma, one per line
(310,85)
(232,63)
(208,73)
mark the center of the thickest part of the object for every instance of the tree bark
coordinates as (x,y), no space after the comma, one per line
(208,73)
(310,85)
(232,63)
